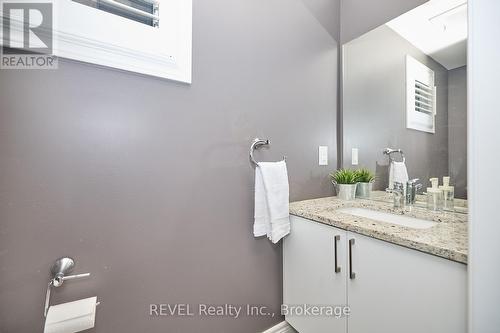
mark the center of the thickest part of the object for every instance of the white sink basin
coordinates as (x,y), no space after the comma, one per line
(403,220)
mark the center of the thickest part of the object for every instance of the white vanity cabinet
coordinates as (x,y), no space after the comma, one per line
(397,289)
(310,275)
(392,289)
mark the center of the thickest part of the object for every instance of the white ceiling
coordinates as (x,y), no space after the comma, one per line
(439,29)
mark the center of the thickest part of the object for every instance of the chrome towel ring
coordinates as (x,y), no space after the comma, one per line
(60,270)
(390,151)
(256,144)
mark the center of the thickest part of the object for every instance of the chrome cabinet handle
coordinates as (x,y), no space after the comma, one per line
(352,275)
(335,241)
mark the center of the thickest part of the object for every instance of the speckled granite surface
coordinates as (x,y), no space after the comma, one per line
(447,239)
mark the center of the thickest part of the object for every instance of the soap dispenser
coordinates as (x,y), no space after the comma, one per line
(448,195)
(434,196)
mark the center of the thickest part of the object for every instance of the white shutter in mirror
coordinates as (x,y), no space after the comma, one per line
(420,96)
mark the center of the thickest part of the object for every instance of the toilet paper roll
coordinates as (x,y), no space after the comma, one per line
(71,317)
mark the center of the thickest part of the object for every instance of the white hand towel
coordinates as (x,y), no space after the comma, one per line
(71,317)
(397,173)
(262,224)
(272,217)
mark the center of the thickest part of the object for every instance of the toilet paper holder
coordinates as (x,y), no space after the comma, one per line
(60,270)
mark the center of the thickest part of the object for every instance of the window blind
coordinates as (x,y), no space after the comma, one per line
(424,97)
(142,11)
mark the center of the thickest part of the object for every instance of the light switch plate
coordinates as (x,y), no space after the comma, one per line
(323,155)
(354,156)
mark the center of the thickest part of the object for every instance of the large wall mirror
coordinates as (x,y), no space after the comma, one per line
(405,88)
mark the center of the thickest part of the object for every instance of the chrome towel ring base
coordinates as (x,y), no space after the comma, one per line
(256,144)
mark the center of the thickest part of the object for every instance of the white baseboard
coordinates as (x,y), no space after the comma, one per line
(282,327)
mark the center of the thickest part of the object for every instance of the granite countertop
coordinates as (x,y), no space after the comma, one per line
(447,239)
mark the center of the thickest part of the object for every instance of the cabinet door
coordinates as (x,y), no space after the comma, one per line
(309,274)
(396,289)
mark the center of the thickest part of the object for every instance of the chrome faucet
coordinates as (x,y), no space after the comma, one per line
(399,194)
(412,186)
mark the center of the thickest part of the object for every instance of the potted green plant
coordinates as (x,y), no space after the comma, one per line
(345,181)
(365,183)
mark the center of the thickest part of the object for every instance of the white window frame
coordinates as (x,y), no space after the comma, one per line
(90,35)
(132,46)
(416,71)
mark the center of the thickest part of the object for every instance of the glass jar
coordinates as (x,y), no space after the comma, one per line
(449,199)
(435,200)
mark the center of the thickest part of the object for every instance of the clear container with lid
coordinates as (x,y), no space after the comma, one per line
(448,195)
(434,196)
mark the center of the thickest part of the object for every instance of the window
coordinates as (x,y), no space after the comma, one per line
(420,96)
(151,37)
(143,11)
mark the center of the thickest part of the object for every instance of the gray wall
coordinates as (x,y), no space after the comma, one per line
(457,129)
(147,183)
(374,107)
